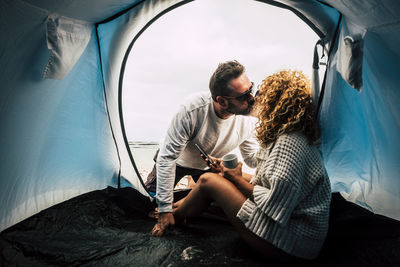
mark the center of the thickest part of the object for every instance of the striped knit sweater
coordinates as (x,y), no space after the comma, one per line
(291,195)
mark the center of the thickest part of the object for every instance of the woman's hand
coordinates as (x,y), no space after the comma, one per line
(232,174)
(217,168)
(240,180)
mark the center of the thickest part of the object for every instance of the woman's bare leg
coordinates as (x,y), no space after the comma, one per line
(213,187)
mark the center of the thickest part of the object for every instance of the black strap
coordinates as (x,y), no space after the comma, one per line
(321,94)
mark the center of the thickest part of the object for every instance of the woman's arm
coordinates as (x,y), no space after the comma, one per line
(244,186)
(239,179)
(247,176)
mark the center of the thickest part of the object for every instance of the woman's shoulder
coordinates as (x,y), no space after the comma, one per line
(262,153)
(293,139)
(293,143)
(286,142)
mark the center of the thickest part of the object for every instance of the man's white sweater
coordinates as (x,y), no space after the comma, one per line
(291,197)
(196,122)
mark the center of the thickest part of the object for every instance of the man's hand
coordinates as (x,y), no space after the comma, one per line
(165,220)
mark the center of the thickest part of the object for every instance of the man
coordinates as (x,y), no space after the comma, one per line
(212,121)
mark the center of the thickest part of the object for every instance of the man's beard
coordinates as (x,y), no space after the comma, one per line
(237,111)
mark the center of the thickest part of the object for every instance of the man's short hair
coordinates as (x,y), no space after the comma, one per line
(220,79)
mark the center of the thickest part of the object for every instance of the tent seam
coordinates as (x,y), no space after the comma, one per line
(384,25)
(106,107)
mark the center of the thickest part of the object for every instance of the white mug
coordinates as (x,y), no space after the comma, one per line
(230,161)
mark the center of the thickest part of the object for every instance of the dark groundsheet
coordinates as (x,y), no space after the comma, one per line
(110,227)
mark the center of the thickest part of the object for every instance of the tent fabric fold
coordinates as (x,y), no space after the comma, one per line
(350,54)
(67,39)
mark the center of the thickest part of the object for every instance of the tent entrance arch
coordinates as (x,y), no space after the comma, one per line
(163,66)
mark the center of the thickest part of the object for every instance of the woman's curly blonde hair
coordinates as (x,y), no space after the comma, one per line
(284,104)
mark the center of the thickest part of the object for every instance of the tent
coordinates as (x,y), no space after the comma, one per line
(62,130)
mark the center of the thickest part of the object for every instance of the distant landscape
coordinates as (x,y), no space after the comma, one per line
(143,153)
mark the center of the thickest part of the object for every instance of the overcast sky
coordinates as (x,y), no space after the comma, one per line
(177,54)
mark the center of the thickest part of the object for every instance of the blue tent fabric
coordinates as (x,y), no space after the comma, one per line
(360,141)
(63,138)
(51,130)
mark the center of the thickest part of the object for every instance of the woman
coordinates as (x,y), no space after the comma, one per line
(283,210)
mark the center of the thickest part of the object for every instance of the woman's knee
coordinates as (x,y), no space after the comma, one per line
(206,179)
(213,183)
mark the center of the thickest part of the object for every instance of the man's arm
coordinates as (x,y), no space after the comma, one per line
(248,149)
(250,146)
(178,135)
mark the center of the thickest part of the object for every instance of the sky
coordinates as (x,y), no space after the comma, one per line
(176,56)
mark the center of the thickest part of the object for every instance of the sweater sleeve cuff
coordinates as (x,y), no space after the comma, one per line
(164,207)
(260,195)
(277,203)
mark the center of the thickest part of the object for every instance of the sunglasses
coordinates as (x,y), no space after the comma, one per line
(245,95)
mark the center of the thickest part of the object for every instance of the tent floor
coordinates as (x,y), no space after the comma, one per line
(110,228)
